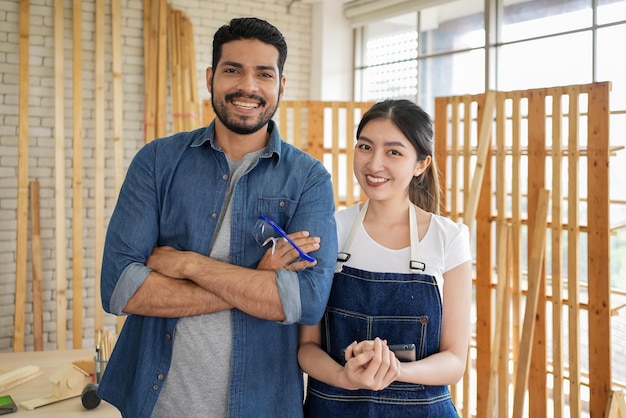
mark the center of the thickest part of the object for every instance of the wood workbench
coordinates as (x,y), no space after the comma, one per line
(48,362)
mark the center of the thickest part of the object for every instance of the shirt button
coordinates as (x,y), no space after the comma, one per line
(214,216)
(160,376)
(224,176)
(168,336)
(281,204)
(155,387)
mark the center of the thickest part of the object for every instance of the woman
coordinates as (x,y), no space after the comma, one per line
(403,278)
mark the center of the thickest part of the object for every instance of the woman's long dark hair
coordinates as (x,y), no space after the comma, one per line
(416,125)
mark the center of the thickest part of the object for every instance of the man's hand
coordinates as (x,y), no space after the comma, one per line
(283,255)
(168,261)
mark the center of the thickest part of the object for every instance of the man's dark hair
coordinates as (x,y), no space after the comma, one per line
(250,28)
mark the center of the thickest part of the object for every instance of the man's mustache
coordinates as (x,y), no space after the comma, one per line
(232,96)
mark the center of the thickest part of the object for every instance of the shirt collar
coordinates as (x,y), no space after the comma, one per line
(273,144)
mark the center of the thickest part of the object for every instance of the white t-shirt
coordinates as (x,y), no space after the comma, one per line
(444,247)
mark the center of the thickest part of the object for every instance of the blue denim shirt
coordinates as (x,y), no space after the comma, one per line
(172,195)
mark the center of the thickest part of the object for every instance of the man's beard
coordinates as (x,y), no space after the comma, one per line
(237,126)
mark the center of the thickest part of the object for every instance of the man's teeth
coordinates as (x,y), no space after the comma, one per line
(376,179)
(246,105)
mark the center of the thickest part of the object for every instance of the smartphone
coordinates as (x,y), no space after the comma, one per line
(7,405)
(404,352)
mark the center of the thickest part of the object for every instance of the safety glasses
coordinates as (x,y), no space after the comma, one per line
(266,231)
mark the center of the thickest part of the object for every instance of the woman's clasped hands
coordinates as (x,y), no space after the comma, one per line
(370,365)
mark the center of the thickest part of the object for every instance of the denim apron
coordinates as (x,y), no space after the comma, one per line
(401,308)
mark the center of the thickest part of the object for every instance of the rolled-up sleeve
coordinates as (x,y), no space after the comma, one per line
(289,291)
(131,234)
(316,215)
(131,278)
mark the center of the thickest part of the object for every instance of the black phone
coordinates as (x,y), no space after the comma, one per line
(404,352)
(7,405)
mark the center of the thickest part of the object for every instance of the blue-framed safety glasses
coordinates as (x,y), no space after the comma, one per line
(266,231)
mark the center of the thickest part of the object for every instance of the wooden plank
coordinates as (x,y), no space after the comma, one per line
(194,99)
(484,251)
(616,407)
(187,72)
(22,182)
(516,225)
(151,26)
(499,355)
(501,178)
(535,279)
(497,350)
(161,81)
(484,145)
(467,156)
(18,376)
(599,248)
(504,377)
(350,140)
(454,158)
(334,107)
(59,164)
(176,88)
(440,123)
(298,129)
(118,95)
(573,254)
(537,385)
(558,394)
(283,126)
(99,104)
(35,227)
(467,146)
(316,130)
(208,114)
(77,176)
(118,108)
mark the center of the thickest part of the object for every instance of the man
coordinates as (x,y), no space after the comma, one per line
(212,329)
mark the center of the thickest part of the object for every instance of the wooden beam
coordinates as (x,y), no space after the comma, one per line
(616,407)
(59,164)
(599,248)
(35,240)
(118,108)
(161,80)
(77,176)
(558,393)
(537,384)
(498,348)
(440,124)
(573,253)
(151,35)
(484,145)
(99,103)
(350,138)
(532,300)
(334,106)
(22,182)
(484,251)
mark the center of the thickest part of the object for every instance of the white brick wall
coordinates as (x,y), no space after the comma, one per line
(206,17)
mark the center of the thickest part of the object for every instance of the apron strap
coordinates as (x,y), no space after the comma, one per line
(344,255)
(414,263)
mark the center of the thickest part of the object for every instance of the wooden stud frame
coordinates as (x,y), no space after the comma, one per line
(540,133)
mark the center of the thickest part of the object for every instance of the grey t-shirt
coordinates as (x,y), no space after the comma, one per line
(198,380)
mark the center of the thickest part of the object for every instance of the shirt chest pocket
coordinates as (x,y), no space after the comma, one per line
(279,209)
